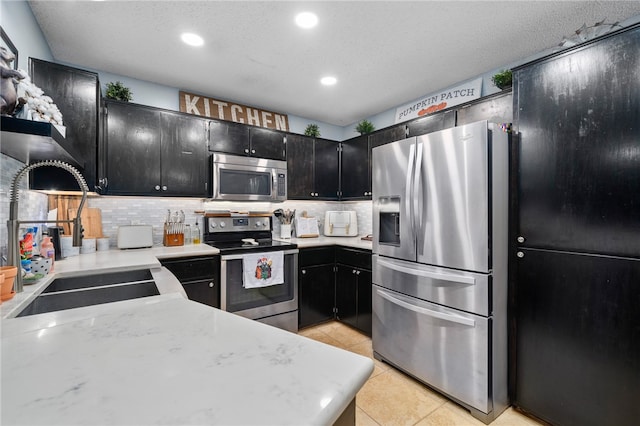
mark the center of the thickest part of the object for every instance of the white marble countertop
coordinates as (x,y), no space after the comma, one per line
(113,260)
(168,360)
(354,242)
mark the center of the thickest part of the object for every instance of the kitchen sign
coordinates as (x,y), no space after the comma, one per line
(438,101)
(229,111)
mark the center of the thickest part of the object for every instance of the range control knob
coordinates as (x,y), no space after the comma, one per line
(212,225)
(222,224)
(258,224)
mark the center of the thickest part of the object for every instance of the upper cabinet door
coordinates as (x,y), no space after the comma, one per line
(265,143)
(229,137)
(133,149)
(184,161)
(356,168)
(579,180)
(326,169)
(300,180)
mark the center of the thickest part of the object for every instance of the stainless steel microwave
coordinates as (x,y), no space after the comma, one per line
(236,178)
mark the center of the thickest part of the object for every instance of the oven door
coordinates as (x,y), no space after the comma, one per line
(262,303)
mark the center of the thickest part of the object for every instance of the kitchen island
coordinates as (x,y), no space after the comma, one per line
(167,360)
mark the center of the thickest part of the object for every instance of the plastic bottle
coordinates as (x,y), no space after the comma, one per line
(187,234)
(196,234)
(47,249)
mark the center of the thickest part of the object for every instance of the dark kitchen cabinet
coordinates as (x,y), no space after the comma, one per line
(228,137)
(353,288)
(496,108)
(183,161)
(153,152)
(312,168)
(355,169)
(431,123)
(199,276)
(578,346)
(240,139)
(577,333)
(76,92)
(316,284)
(266,143)
(356,161)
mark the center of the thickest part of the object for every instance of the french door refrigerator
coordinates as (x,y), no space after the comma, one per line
(440,262)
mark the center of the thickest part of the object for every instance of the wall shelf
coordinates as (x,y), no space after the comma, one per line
(31,141)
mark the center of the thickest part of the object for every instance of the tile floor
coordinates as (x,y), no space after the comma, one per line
(390,397)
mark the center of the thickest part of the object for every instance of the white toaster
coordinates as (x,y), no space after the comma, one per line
(135,236)
(341,223)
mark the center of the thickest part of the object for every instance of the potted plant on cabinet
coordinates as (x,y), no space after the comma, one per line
(503,79)
(312,130)
(118,91)
(364,127)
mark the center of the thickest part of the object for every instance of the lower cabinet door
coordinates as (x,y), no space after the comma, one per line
(204,291)
(316,296)
(347,295)
(364,302)
(445,348)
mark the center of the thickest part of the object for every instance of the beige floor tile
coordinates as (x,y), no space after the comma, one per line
(450,414)
(390,399)
(347,335)
(511,417)
(363,419)
(324,338)
(364,349)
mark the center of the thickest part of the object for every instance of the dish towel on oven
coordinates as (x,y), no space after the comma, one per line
(262,269)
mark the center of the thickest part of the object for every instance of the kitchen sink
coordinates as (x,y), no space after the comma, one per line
(74,292)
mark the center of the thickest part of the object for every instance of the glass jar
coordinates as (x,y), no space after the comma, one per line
(187,234)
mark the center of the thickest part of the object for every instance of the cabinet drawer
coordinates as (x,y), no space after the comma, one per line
(193,268)
(354,257)
(316,256)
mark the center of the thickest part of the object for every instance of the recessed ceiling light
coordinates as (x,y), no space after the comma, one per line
(306,20)
(328,81)
(192,39)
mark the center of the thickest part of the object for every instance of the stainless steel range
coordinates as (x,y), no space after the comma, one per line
(258,276)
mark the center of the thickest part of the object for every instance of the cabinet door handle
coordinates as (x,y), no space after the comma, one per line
(164,187)
(211,284)
(253,151)
(157,187)
(246,151)
(357,272)
(303,272)
(353,271)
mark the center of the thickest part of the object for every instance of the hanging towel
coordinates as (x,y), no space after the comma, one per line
(262,269)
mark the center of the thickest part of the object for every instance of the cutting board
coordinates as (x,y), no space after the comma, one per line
(91,218)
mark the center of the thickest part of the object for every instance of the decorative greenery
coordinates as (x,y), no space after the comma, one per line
(118,91)
(502,80)
(312,130)
(365,127)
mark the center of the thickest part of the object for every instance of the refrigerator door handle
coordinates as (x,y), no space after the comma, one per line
(427,274)
(417,196)
(408,187)
(418,309)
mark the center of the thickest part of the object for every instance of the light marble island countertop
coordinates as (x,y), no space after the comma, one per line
(165,360)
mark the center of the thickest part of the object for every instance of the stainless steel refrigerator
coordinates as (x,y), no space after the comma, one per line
(440,204)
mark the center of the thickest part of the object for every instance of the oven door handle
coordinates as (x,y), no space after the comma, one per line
(240,256)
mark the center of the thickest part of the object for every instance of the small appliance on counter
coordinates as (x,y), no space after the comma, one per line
(340,224)
(135,236)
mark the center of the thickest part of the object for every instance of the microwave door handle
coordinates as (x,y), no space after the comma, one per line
(274,183)
(408,187)
(420,310)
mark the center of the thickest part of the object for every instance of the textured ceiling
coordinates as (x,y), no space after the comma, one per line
(383,53)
